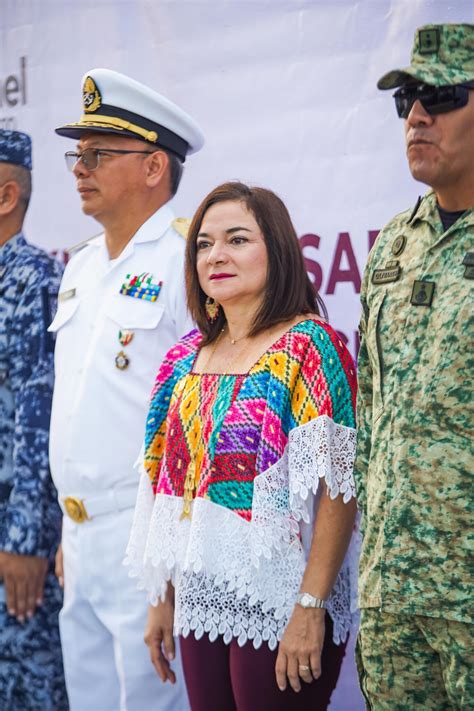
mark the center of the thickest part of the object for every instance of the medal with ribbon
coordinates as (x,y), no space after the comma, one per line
(122,361)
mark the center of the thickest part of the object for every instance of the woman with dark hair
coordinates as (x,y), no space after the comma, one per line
(247,503)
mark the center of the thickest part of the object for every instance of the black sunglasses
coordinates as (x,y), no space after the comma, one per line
(434,99)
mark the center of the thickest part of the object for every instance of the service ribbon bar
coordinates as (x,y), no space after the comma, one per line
(141,287)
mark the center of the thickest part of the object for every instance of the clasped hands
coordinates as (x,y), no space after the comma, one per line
(23,577)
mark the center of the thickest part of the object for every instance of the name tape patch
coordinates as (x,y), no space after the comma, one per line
(391,272)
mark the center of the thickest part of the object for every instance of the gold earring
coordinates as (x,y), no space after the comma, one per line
(212,309)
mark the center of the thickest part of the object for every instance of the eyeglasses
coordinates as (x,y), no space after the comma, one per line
(91,156)
(434,99)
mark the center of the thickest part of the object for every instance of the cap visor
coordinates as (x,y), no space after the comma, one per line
(75,131)
(396,77)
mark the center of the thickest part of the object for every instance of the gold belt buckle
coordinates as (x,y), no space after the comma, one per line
(75,509)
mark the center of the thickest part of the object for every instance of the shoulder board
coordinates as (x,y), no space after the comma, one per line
(181,225)
(70,251)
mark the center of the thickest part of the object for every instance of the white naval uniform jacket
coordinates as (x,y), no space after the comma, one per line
(99,411)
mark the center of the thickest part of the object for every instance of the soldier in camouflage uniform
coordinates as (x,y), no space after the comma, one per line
(415,412)
(31,673)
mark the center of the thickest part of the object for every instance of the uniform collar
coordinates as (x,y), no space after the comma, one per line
(11,246)
(427,211)
(155,226)
(152,230)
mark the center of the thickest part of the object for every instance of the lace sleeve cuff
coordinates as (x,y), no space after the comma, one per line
(136,548)
(321,449)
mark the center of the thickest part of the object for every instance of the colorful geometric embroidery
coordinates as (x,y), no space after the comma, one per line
(247,418)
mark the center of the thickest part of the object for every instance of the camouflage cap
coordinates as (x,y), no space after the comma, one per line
(15,147)
(441,55)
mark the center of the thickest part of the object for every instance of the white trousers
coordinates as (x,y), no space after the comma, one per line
(106,662)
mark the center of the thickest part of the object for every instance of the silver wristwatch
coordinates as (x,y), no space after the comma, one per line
(306,600)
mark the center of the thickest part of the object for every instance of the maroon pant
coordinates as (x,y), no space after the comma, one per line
(226,677)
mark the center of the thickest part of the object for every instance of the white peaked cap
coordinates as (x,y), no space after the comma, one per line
(115,103)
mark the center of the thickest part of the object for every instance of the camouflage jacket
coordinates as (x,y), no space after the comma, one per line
(415,462)
(29,513)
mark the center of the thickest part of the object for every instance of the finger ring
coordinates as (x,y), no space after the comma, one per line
(303,668)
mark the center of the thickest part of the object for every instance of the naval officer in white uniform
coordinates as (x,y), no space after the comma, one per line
(121,307)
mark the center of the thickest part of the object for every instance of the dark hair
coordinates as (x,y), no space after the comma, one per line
(175,167)
(288,291)
(175,171)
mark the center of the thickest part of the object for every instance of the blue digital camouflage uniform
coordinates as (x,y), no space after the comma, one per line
(31,673)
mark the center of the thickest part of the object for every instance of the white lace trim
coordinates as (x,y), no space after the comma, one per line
(237,578)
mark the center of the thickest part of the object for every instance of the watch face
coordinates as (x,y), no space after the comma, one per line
(305,600)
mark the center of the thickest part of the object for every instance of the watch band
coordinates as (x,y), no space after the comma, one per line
(307,600)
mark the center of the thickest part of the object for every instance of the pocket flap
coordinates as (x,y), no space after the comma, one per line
(132,313)
(66,311)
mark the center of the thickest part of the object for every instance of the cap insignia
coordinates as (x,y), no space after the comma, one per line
(428,41)
(91,97)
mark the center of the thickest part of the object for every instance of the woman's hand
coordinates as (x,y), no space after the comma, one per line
(159,637)
(299,652)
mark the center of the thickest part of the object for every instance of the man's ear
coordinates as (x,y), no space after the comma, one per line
(9,197)
(156,166)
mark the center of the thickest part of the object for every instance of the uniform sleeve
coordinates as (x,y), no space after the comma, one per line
(32,515)
(364,402)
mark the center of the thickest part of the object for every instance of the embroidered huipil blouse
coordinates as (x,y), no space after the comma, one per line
(253,448)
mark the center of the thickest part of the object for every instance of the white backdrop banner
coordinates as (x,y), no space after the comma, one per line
(285,91)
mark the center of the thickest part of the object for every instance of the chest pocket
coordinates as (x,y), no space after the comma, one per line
(132,314)
(449,390)
(374,350)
